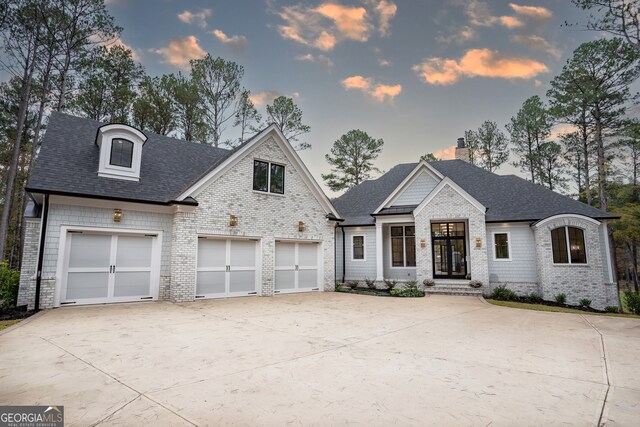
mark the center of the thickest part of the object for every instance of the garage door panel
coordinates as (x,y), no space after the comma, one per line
(242,281)
(87,285)
(308,279)
(308,255)
(210,282)
(285,254)
(242,253)
(212,253)
(134,251)
(89,251)
(285,280)
(130,284)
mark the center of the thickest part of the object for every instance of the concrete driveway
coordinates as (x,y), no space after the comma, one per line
(325,359)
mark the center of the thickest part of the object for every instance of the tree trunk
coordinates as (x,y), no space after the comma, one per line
(602,179)
(585,153)
(15,157)
(634,264)
(63,81)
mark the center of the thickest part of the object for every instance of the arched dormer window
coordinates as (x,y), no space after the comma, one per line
(568,245)
(120,151)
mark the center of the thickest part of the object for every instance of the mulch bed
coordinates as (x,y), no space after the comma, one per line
(365,291)
(9,313)
(551,303)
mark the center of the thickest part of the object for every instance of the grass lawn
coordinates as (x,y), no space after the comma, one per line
(4,324)
(542,307)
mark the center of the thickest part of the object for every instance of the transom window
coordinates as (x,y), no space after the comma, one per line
(358,247)
(121,153)
(403,246)
(568,245)
(501,245)
(268,177)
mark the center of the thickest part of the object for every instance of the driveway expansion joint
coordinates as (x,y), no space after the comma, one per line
(606,371)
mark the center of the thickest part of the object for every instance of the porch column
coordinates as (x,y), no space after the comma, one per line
(379,260)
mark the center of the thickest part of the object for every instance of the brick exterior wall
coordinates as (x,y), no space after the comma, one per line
(576,280)
(266,216)
(449,205)
(184,246)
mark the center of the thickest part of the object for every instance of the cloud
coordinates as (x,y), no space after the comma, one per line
(537,83)
(265,97)
(134,53)
(534,12)
(459,36)
(180,51)
(368,86)
(197,18)
(384,63)
(326,63)
(235,42)
(329,23)
(478,63)
(536,42)
(448,153)
(480,16)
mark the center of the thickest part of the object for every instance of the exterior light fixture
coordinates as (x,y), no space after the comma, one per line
(233,220)
(423,243)
(117,215)
(478,242)
(301,226)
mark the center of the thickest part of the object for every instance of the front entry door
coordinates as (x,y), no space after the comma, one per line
(449,245)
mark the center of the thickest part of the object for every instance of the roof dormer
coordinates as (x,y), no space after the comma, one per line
(120,151)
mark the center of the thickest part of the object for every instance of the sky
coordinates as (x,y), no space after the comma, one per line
(416,73)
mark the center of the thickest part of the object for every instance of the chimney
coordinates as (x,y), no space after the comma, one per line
(462,152)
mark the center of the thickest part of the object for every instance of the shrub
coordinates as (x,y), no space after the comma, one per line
(504,294)
(352,284)
(534,298)
(561,298)
(611,309)
(428,282)
(585,302)
(339,286)
(390,283)
(475,284)
(371,284)
(9,284)
(632,300)
(410,289)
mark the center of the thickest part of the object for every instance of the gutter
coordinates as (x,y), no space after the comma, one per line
(43,235)
(191,202)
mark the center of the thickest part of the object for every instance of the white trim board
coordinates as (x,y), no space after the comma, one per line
(262,137)
(422,166)
(448,182)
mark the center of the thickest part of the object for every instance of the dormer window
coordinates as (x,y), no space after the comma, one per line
(120,151)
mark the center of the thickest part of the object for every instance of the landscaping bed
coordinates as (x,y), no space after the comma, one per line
(527,301)
(365,291)
(11,313)
(405,290)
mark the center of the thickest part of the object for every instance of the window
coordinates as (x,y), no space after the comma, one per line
(501,244)
(568,246)
(358,248)
(403,246)
(121,153)
(268,177)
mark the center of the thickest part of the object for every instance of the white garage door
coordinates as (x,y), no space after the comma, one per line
(297,267)
(103,268)
(226,268)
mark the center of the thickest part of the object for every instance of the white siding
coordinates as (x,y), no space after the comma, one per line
(522,266)
(603,253)
(417,190)
(357,269)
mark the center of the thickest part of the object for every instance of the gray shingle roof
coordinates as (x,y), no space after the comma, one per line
(68,164)
(506,197)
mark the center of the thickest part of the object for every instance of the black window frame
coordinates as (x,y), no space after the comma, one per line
(270,166)
(113,141)
(360,247)
(563,239)
(407,246)
(506,246)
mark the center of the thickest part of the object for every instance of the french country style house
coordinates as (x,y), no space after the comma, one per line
(119,215)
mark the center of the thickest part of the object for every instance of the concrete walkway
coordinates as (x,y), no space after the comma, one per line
(325,359)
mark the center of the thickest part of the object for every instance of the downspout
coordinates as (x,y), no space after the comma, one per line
(344,258)
(43,234)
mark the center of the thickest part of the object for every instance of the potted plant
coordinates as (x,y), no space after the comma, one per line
(428,282)
(475,284)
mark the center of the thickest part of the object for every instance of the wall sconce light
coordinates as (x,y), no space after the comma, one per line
(478,242)
(423,243)
(117,215)
(301,226)
(233,220)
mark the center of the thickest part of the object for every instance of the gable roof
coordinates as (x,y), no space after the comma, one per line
(506,197)
(68,162)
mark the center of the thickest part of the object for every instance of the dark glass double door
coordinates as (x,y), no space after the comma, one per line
(449,244)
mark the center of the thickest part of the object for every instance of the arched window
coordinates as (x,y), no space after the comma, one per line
(121,153)
(568,245)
